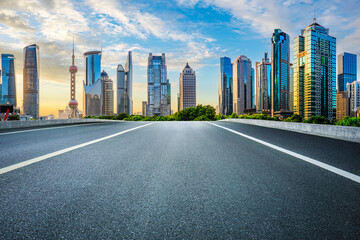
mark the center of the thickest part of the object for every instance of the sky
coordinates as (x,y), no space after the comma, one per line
(195,31)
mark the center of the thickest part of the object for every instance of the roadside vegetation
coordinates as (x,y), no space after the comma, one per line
(207,113)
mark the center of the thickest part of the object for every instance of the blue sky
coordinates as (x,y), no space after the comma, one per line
(198,32)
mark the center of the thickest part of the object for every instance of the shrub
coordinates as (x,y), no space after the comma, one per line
(294,118)
(189,114)
(233,115)
(220,116)
(121,116)
(13,117)
(202,118)
(317,120)
(349,121)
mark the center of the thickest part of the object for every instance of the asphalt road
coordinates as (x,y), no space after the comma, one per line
(175,180)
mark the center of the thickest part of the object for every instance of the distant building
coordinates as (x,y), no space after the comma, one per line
(187,85)
(347,65)
(291,88)
(225,86)
(143,108)
(31,81)
(124,86)
(342,105)
(178,101)
(92,104)
(253,89)
(168,84)
(263,85)
(157,86)
(280,73)
(353,90)
(108,94)
(242,88)
(8,85)
(315,73)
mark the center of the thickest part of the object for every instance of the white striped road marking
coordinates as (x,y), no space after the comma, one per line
(57,153)
(325,166)
(47,128)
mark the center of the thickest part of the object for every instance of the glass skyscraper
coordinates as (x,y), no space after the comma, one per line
(168,84)
(280,72)
(187,85)
(347,66)
(225,86)
(8,86)
(253,89)
(263,85)
(107,94)
(124,86)
(92,100)
(157,86)
(31,81)
(315,73)
(242,82)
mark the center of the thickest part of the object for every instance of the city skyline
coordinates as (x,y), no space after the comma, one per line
(202,48)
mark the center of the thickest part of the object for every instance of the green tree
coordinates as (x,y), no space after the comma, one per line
(13,117)
(121,116)
(294,118)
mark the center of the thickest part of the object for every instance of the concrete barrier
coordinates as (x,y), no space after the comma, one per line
(35,123)
(339,132)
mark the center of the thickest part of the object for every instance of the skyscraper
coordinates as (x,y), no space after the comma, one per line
(225,86)
(187,85)
(291,88)
(31,81)
(253,89)
(120,78)
(353,91)
(263,85)
(8,86)
(128,84)
(157,86)
(143,112)
(108,94)
(242,85)
(280,73)
(92,104)
(347,66)
(315,72)
(168,84)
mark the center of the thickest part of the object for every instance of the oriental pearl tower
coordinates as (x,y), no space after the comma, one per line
(73,104)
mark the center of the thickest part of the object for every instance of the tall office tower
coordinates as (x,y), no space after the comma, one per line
(31,81)
(73,104)
(347,66)
(157,86)
(225,86)
(342,105)
(291,89)
(253,89)
(8,86)
(241,84)
(143,108)
(315,72)
(280,73)
(168,94)
(187,84)
(108,94)
(128,84)
(120,78)
(353,90)
(263,85)
(92,99)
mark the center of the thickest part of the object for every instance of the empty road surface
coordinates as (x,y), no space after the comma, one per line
(177,180)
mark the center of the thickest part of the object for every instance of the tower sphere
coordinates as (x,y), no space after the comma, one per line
(73,104)
(73,69)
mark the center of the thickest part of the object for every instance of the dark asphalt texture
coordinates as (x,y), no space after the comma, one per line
(177,180)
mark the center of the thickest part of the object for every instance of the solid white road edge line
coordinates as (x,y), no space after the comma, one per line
(47,128)
(50,155)
(325,166)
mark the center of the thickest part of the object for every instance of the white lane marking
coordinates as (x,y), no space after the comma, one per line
(325,166)
(40,129)
(50,155)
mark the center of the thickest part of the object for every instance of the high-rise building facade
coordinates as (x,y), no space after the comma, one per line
(253,89)
(347,65)
(168,84)
(280,72)
(108,94)
(263,85)
(187,85)
(8,86)
(92,99)
(157,86)
(31,81)
(242,84)
(342,105)
(225,86)
(143,108)
(353,90)
(291,88)
(121,97)
(128,84)
(315,73)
